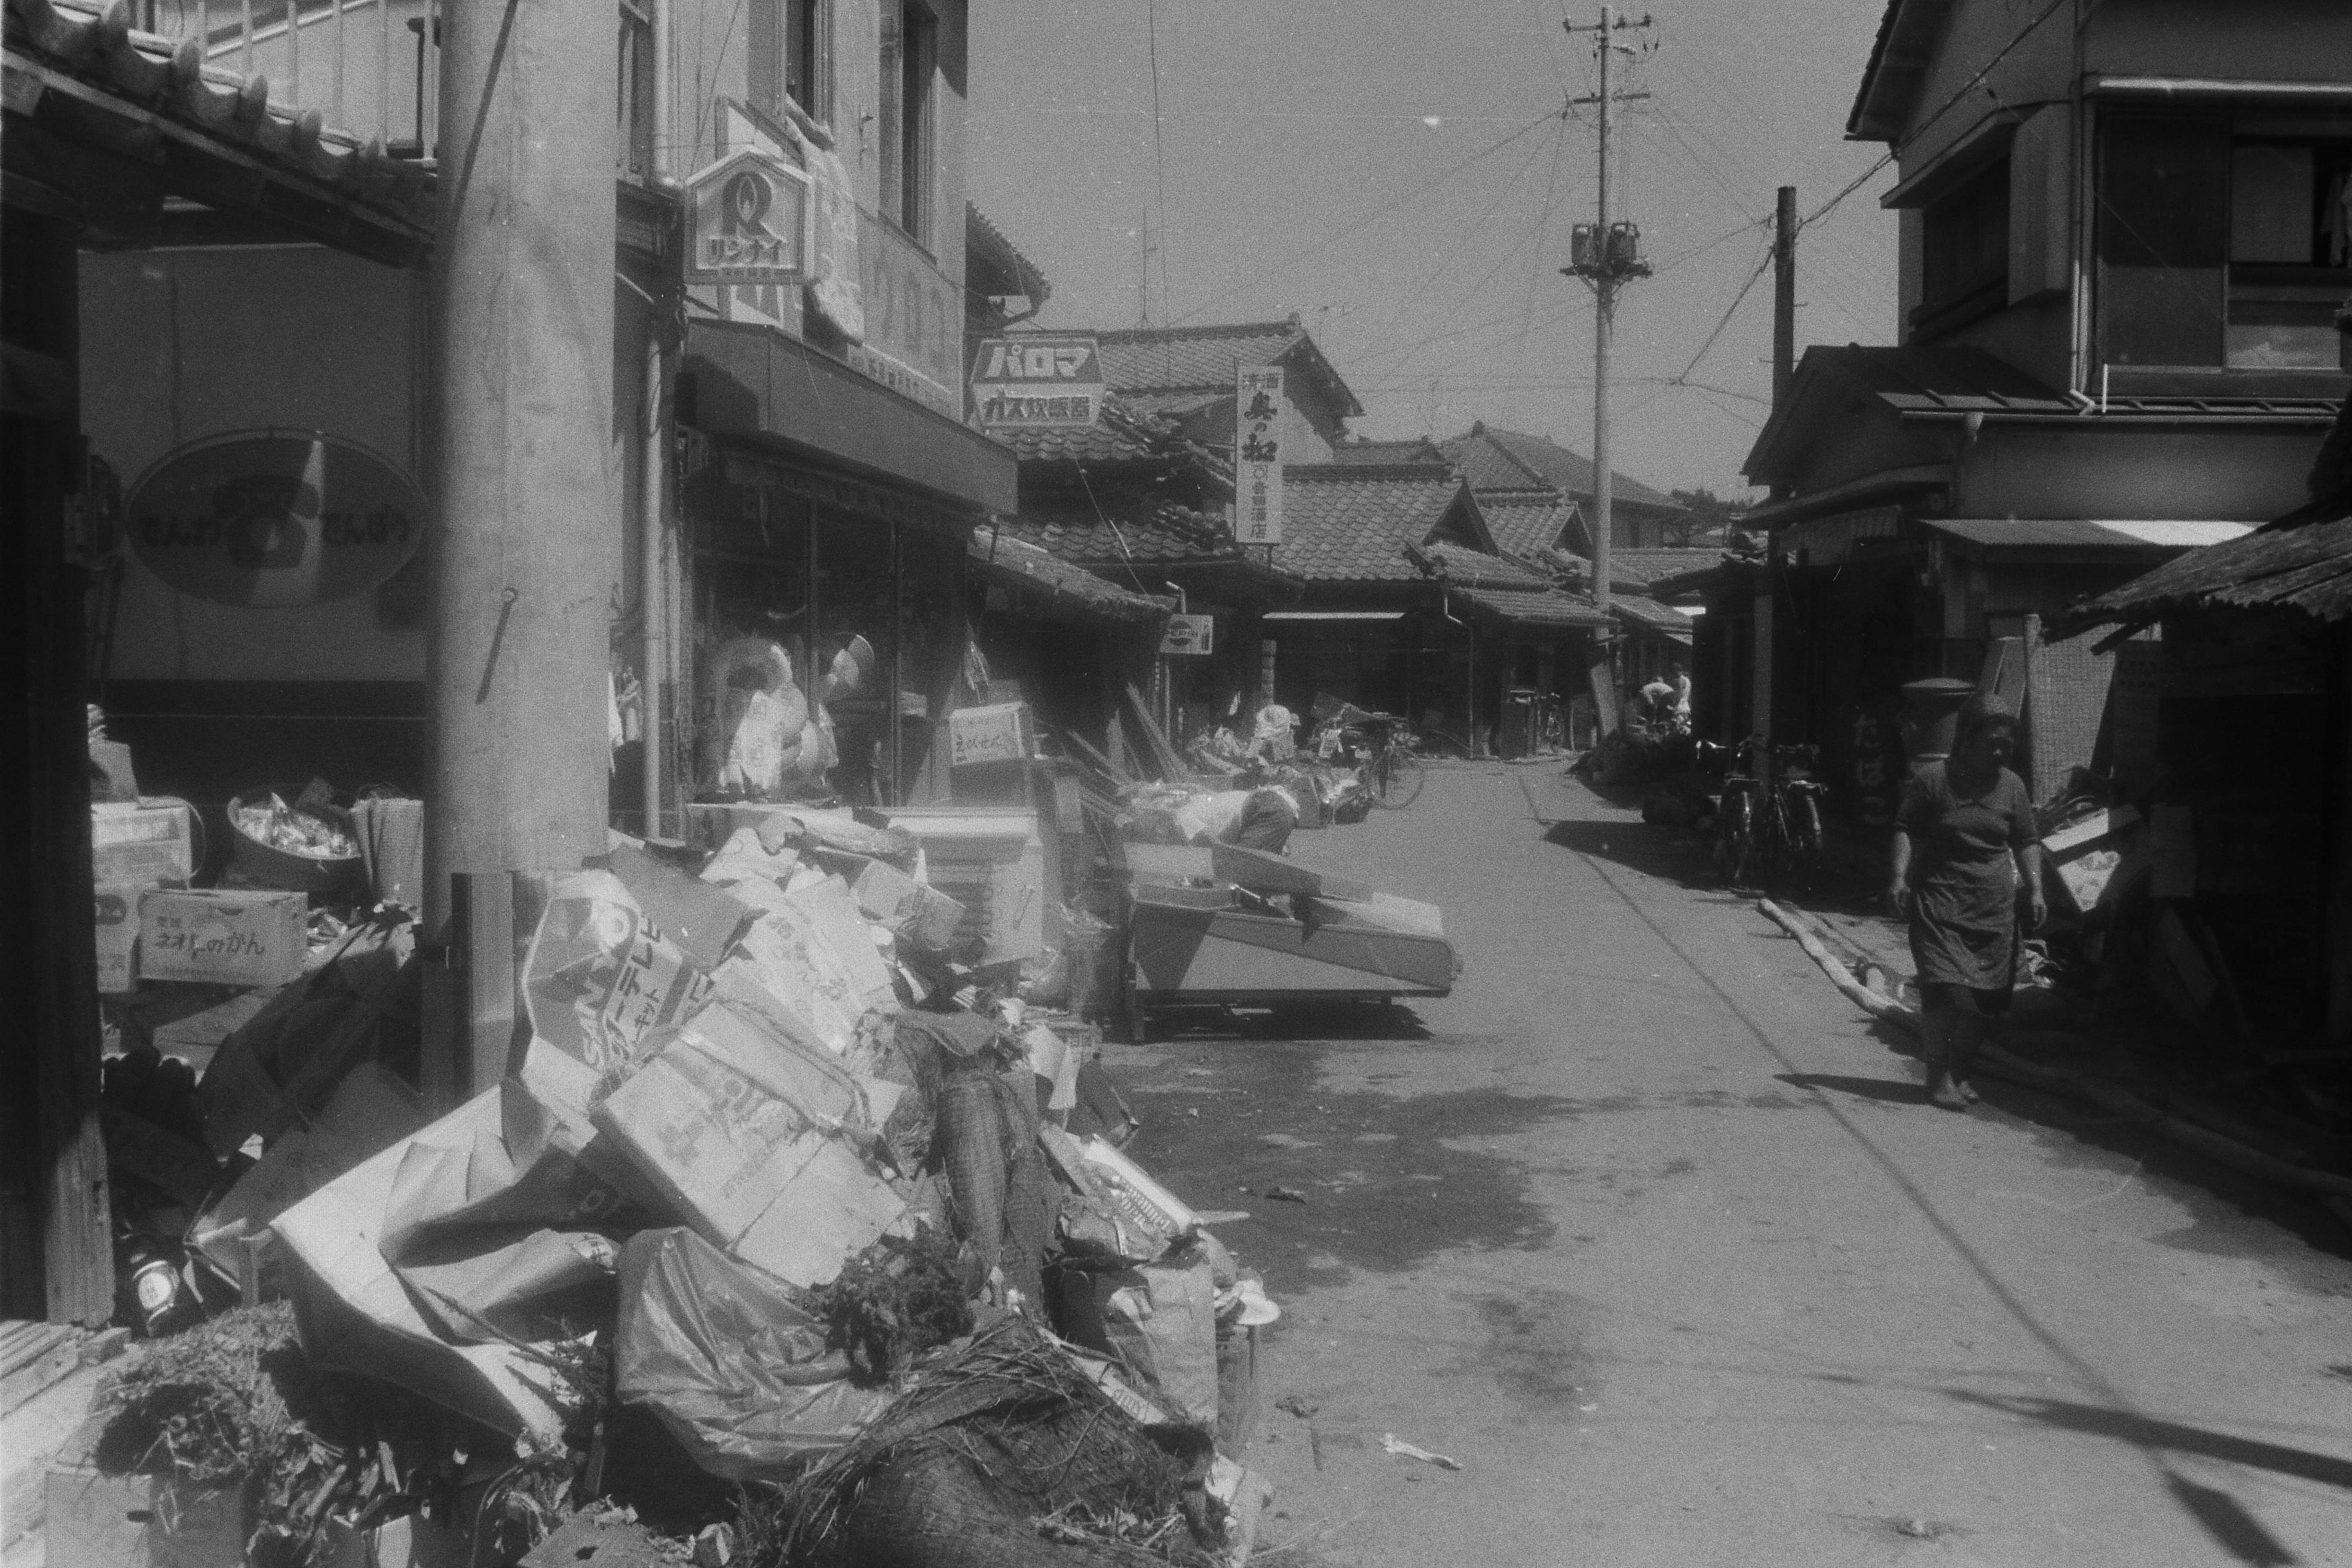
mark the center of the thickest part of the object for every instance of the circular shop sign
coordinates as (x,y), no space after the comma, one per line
(270,518)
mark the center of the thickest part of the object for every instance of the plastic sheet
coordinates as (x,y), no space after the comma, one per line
(717,1351)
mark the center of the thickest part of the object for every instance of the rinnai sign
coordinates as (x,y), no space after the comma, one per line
(1038,381)
(748,221)
(272,518)
(1257,454)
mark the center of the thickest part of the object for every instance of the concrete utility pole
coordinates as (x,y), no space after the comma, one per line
(1784,293)
(524,549)
(1605,257)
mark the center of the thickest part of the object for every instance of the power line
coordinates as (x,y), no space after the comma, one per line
(1379,212)
(1158,150)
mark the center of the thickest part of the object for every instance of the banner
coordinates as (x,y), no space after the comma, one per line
(1258,456)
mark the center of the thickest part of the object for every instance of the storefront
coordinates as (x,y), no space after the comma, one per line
(824,522)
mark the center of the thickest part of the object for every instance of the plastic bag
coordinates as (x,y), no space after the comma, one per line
(717,1351)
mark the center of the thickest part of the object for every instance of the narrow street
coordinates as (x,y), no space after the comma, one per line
(1648,1229)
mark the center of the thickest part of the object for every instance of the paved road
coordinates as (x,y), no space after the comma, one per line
(1647,1228)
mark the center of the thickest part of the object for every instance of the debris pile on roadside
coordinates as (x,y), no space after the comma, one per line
(791,1235)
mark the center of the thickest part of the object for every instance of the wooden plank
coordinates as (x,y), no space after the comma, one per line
(1095,759)
(55,1361)
(1162,754)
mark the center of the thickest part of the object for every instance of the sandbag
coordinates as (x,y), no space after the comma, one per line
(718,1352)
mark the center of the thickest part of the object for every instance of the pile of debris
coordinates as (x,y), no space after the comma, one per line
(786,1236)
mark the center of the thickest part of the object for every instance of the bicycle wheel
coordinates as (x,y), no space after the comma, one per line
(1808,843)
(1734,837)
(1397,780)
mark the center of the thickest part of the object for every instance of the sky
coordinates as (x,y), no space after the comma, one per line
(1400,174)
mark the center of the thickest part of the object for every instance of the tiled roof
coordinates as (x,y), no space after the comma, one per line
(993,265)
(1476,569)
(1538,608)
(1125,530)
(158,95)
(1648,565)
(1525,521)
(1413,450)
(1203,359)
(1017,563)
(1122,435)
(1649,612)
(1577,569)
(1494,460)
(1351,522)
(1178,405)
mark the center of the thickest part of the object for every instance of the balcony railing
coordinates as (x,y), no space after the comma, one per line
(372,67)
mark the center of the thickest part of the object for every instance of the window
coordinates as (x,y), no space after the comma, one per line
(1964,254)
(788,43)
(2222,246)
(909,62)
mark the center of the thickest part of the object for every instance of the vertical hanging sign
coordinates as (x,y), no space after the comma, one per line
(1257,454)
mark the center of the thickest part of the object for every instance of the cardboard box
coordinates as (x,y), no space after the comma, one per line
(748,1134)
(919,914)
(146,845)
(94,1520)
(999,733)
(117,913)
(223,937)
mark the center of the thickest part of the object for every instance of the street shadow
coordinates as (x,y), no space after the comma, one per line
(1682,856)
(1300,1021)
(2231,1525)
(2146,1432)
(1890,1092)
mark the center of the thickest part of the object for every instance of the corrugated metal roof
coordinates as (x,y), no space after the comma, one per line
(2123,537)
(2308,569)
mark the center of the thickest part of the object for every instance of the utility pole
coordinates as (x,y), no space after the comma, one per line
(1605,256)
(1784,293)
(519,420)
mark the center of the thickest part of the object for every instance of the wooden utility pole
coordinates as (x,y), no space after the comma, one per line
(523,552)
(1605,257)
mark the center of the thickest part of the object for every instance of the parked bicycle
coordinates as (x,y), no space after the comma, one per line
(1764,833)
(1380,747)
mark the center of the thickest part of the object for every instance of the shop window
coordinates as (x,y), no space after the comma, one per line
(2216,249)
(910,67)
(1964,254)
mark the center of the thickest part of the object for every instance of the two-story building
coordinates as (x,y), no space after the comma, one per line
(797,450)
(2123,230)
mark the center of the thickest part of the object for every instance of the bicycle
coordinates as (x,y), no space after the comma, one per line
(1380,747)
(1761,832)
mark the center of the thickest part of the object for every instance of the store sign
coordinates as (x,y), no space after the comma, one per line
(1257,454)
(914,318)
(748,221)
(1038,382)
(1189,634)
(270,518)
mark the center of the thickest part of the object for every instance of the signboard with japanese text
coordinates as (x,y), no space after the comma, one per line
(1189,634)
(1257,454)
(268,518)
(1038,381)
(748,220)
(914,318)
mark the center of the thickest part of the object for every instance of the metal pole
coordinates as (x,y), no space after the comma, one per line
(1604,312)
(653,593)
(520,414)
(1784,294)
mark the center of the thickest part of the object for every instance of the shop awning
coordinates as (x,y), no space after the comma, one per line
(1333,615)
(1020,565)
(744,380)
(2085,536)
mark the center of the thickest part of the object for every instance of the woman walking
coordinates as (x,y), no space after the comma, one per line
(1966,872)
